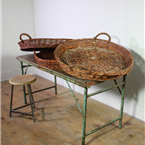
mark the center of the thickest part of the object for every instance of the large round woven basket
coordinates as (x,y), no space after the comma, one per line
(94,59)
(39,43)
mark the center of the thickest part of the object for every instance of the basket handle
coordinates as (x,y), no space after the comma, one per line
(34,52)
(103,34)
(25,35)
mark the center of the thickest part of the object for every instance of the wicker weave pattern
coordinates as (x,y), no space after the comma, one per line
(46,47)
(38,44)
(105,66)
(90,58)
(46,59)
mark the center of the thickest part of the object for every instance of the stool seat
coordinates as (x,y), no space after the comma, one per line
(22,80)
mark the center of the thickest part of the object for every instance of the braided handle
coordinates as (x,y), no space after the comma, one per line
(35,52)
(25,35)
(104,34)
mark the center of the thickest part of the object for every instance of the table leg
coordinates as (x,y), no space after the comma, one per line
(55,84)
(122,102)
(84,116)
(24,91)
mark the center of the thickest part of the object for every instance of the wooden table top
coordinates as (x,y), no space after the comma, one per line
(30,60)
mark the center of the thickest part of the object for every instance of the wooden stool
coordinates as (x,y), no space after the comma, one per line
(21,81)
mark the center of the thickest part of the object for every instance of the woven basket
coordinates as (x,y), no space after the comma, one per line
(94,59)
(39,43)
(46,59)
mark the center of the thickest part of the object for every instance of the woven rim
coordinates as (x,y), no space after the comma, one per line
(99,43)
(52,64)
(39,43)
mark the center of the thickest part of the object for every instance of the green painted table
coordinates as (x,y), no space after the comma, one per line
(29,60)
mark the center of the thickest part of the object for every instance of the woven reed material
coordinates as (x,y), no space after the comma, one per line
(38,44)
(46,59)
(94,59)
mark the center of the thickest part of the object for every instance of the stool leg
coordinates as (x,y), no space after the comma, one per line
(30,97)
(55,84)
(24,91)
(12,87)
(84,116)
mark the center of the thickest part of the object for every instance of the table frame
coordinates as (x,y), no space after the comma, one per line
(30,61)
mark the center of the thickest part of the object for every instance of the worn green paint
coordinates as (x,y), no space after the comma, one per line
(118,86)
(53,73)
(84,116)
(75,98)
(102,126)
(26,69)
(85,99)
(24,91)
(26,66)
(103,90)
(122,102)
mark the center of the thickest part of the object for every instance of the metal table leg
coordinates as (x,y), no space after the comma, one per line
(84,116)
(122,101)
(84,113)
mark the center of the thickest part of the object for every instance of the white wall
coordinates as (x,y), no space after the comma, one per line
(123,20)
(17,18)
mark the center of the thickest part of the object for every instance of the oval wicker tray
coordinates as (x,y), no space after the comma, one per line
(94,59)
(46,59)
(39,43)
